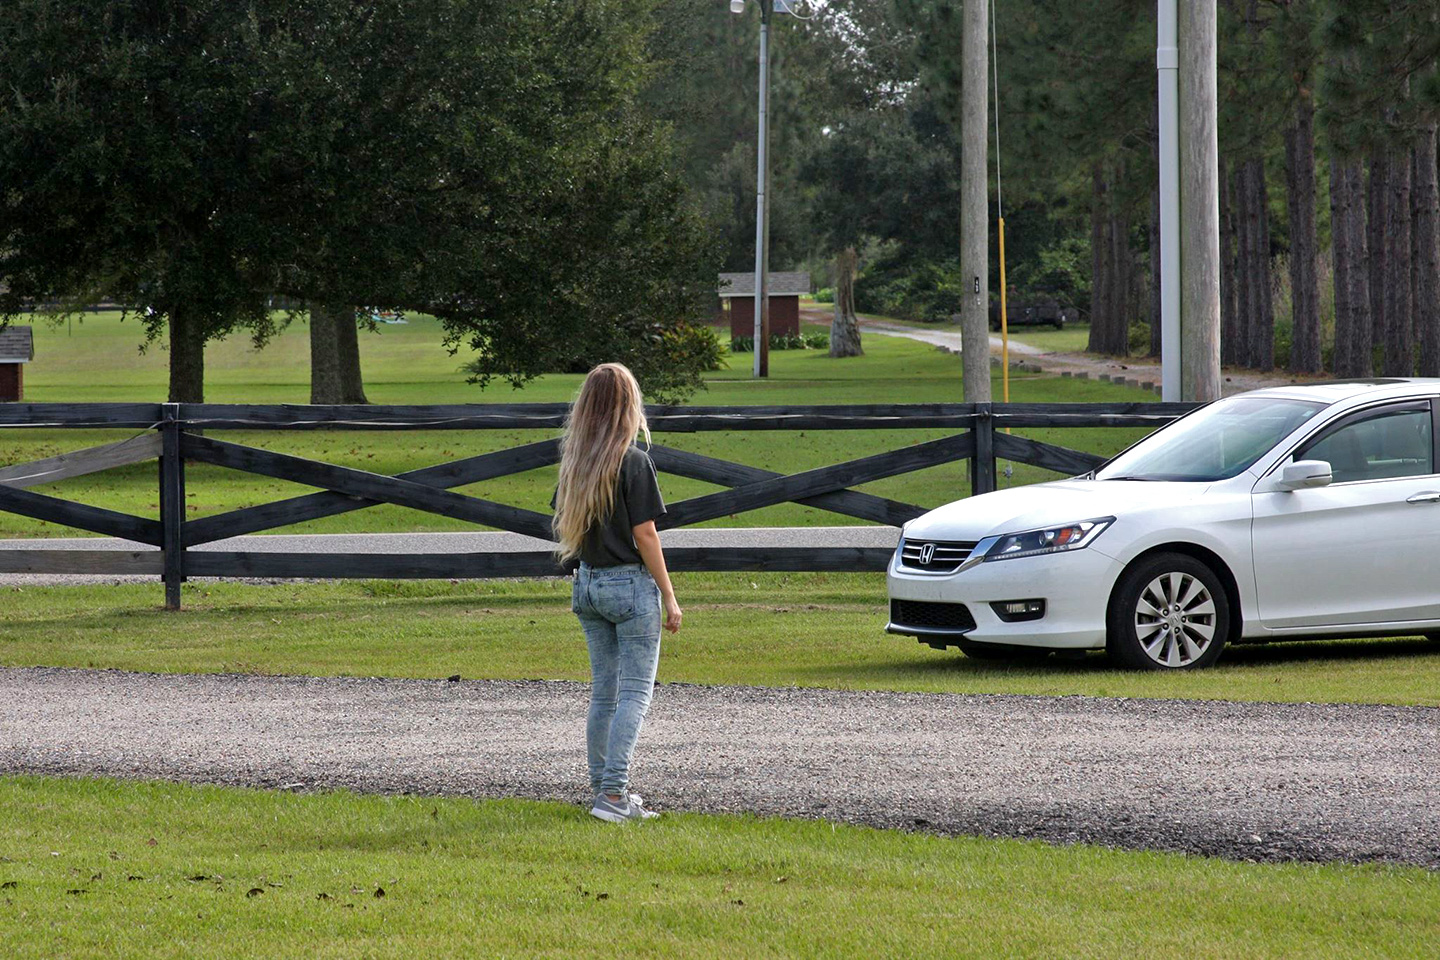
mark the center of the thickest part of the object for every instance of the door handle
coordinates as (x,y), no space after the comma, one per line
(1429,496)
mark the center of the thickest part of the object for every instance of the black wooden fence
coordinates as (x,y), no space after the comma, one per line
(177,437)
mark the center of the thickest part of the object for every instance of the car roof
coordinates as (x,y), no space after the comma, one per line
(1336,391)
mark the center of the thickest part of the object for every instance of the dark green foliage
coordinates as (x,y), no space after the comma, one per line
(131,147)
(480,160)
(897,286)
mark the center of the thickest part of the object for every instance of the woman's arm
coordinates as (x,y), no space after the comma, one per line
(647,541)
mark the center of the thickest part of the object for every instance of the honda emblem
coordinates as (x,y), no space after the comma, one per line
(927,553)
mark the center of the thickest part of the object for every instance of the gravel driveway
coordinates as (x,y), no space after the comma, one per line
(1240,780)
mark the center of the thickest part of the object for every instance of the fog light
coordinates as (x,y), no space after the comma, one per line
(1017,611)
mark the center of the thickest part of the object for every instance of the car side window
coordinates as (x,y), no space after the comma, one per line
(1386,444)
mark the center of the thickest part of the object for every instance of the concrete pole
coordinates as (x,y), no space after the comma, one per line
(974,197)
(1200,204)
(1167,65)
(762,204)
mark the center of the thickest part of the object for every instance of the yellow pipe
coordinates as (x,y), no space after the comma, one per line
(1004,323)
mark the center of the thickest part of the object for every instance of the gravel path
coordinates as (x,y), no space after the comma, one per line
(1141,369)
(1246,781)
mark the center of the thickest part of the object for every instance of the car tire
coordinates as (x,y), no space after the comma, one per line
(1000,651)
(1168,612)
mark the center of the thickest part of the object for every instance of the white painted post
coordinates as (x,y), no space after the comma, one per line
(1167,66)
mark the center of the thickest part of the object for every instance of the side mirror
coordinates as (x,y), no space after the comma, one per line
(1305,473)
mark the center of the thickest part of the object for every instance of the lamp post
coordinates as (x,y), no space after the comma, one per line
(762,183)
(762,201)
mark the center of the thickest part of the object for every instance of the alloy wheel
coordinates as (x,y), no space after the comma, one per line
(1175,619)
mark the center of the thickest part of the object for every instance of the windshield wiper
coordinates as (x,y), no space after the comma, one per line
(1136,477)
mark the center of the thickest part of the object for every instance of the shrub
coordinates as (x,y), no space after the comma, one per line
(695,345)
(1139,338)
(825,295)
(805,341)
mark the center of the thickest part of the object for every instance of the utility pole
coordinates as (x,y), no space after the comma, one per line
(762,203)
(1200,203)
(974,200)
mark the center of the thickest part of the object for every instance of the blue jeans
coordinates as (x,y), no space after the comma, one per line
(619,609)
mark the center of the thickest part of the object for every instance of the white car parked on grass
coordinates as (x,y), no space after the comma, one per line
(1287,513)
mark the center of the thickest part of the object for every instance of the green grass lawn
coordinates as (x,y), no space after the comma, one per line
(106,868)
(811,630)
(406,364)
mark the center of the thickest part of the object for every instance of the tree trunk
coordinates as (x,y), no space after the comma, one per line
(1229,244)
(845,329)
(187,357)
(1377,190)
(1254,327)
(1111,285)
(1399,332)
(324,358)
(334,355)
(1121,283)
(1426,197)
(1099,260)
(347,348)
(1304,285)
(1362,329)
(1262,328)
(1340,214)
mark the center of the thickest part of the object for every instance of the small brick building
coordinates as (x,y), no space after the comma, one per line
(17,348)
(737,302)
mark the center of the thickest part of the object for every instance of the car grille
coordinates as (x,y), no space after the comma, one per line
(932,616)
(946,556)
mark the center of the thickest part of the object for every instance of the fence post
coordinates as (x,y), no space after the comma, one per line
(982,464)
(172,504)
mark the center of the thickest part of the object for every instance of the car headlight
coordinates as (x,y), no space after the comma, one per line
(1034,543)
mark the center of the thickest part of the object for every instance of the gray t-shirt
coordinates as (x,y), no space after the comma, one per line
(611,542)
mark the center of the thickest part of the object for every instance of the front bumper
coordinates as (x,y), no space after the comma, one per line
(1075,587)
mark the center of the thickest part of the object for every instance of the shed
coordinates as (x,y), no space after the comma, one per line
(17,348)
(737,300)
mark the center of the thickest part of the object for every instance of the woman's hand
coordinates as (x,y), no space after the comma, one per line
(647,541)
(672,613)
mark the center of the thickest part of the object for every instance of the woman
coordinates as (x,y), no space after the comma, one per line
(605,510)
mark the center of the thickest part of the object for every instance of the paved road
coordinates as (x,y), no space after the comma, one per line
(480,542)
(1249,781)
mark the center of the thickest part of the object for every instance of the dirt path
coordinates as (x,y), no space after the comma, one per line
(1241,780)
(1140,370)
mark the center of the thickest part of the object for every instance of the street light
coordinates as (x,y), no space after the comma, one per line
(762,182)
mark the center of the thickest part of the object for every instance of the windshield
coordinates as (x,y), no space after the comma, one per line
(1213,443)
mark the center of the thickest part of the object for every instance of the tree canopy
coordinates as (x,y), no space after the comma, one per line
(478,159)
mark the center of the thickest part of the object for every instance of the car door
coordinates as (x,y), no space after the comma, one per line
(1364,549)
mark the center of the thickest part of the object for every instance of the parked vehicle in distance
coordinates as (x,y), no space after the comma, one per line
(1287,513)
(1021,313)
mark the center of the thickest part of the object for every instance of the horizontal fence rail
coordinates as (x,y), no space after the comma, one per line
(174,433)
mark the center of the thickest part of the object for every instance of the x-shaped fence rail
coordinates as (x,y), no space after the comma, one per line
(177,438)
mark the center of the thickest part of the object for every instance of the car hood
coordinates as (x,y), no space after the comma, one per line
(1045,505)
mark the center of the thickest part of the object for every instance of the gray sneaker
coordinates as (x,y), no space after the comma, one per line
(621,811)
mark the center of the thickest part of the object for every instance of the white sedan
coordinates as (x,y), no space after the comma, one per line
(1286,513)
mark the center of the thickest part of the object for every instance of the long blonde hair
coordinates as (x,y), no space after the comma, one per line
(603,422)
